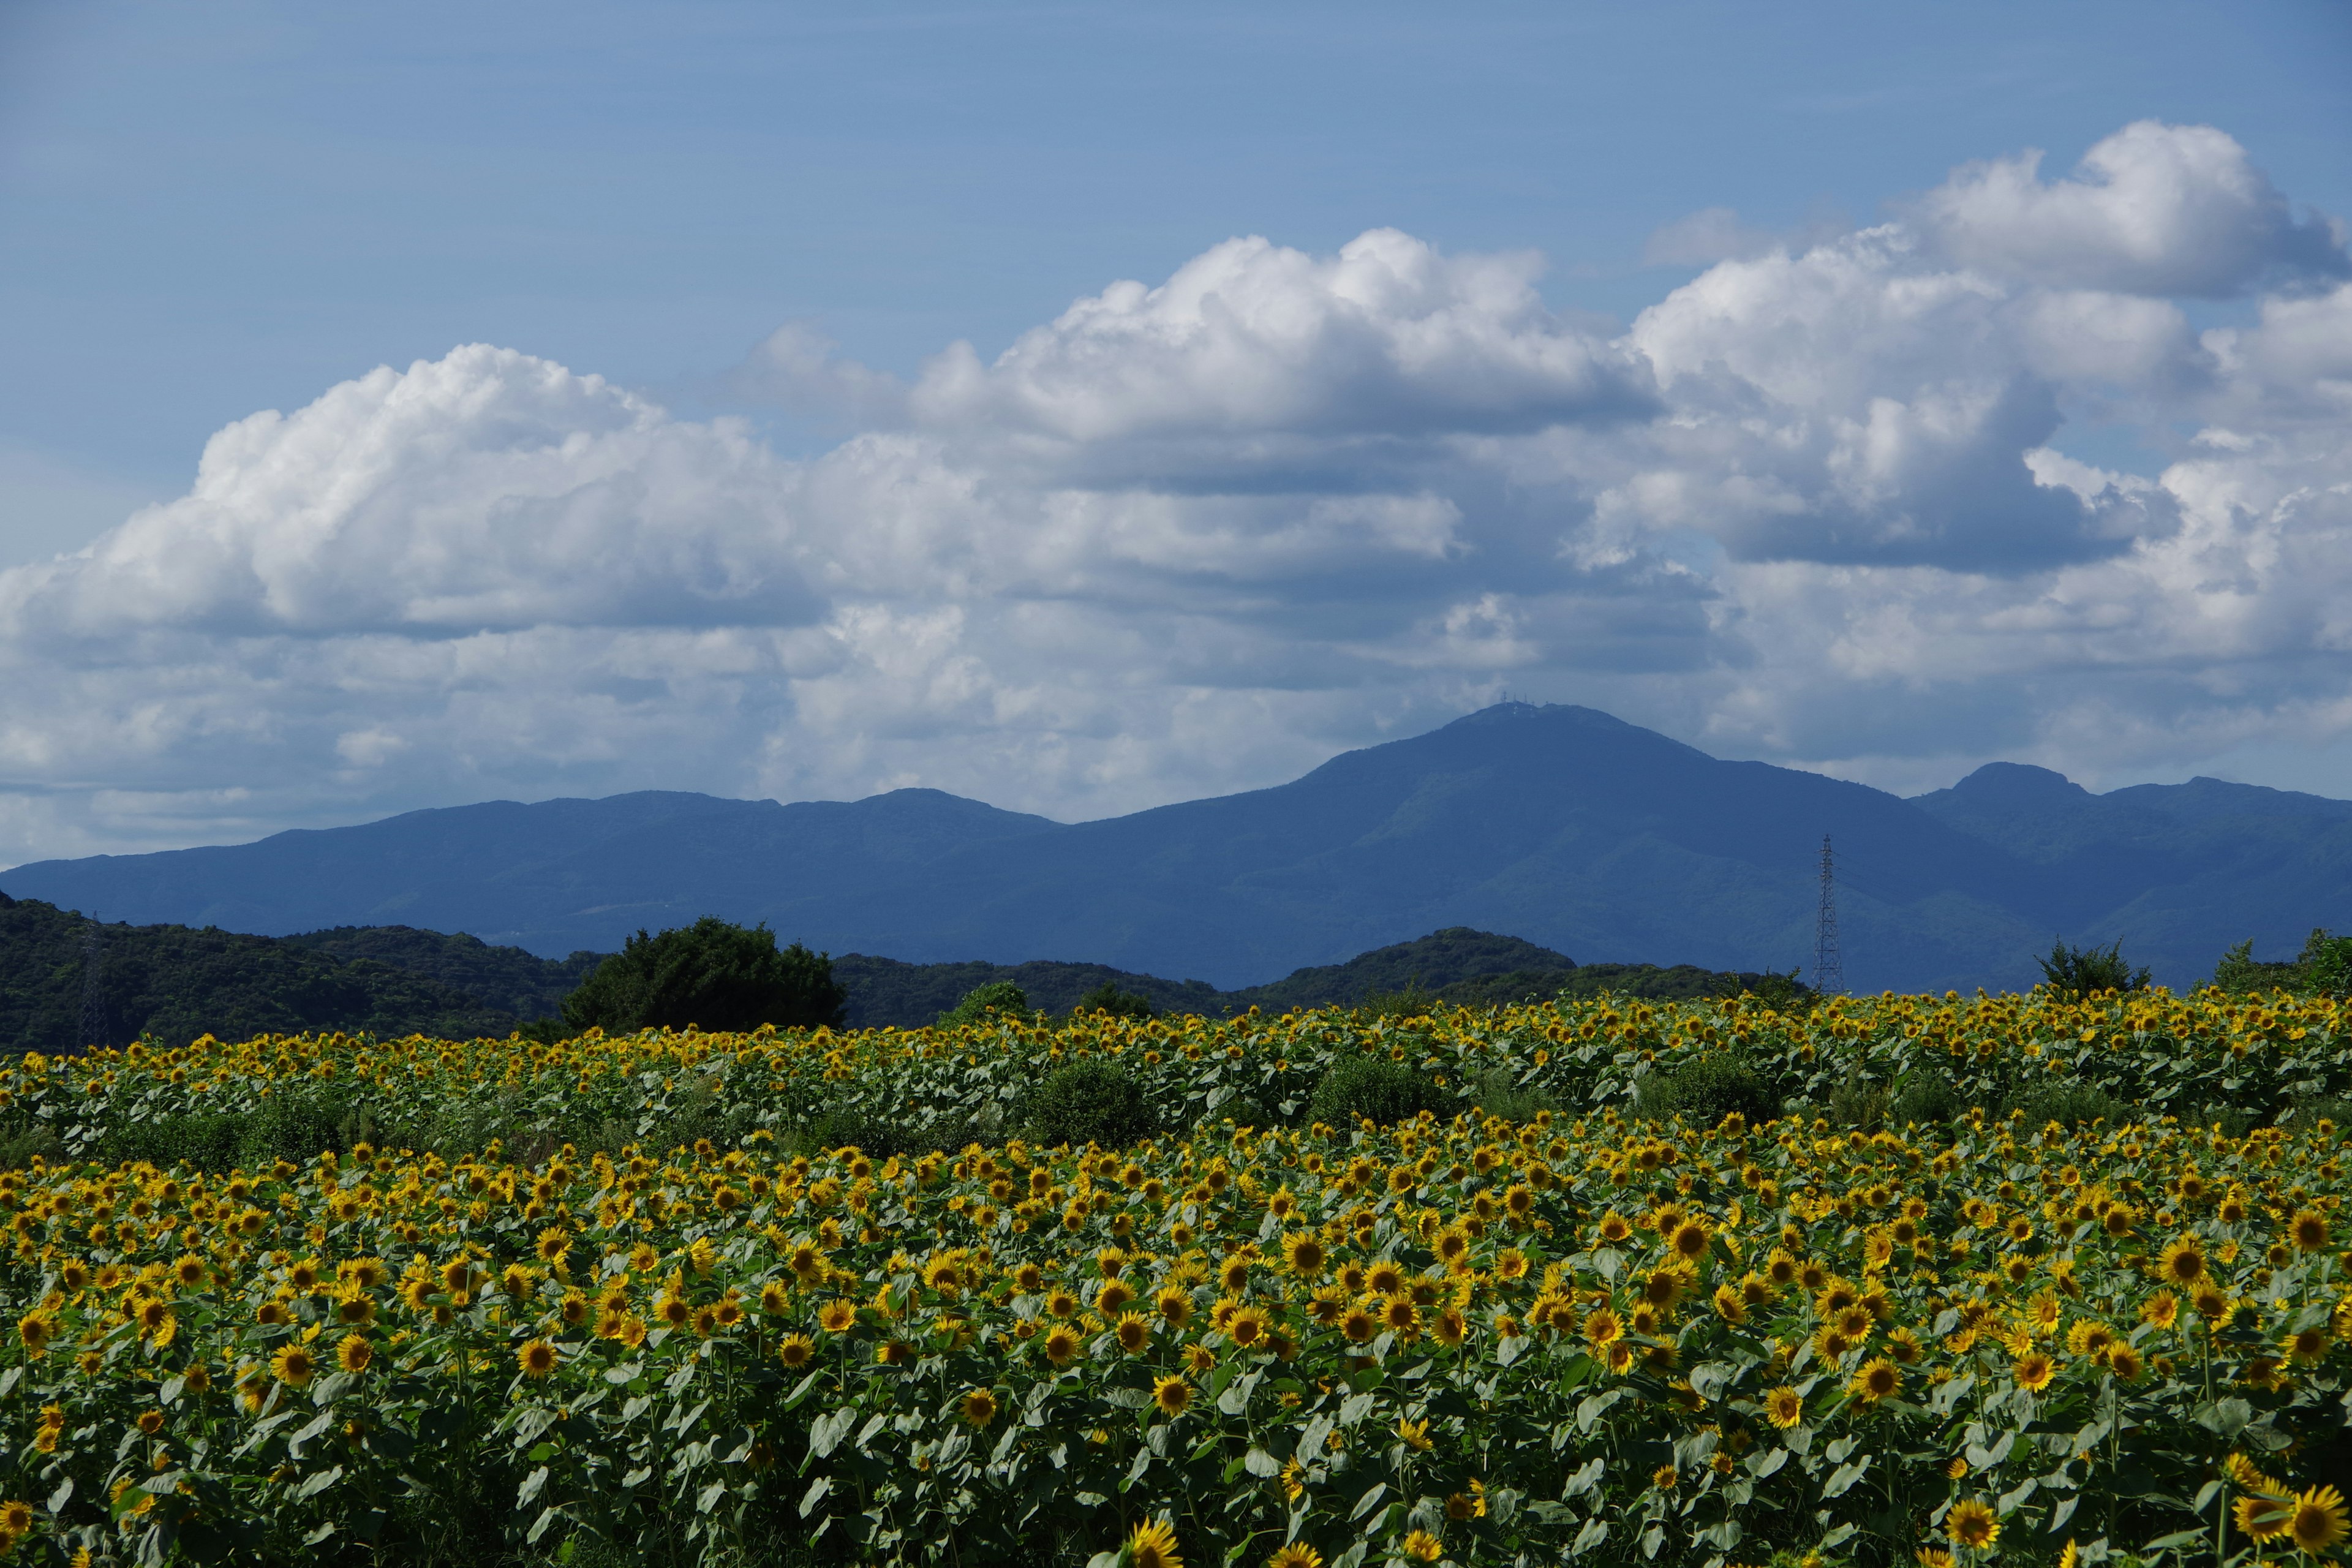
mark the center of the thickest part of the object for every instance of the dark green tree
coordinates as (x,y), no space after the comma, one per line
(713,974)
(2080,971)
(1108,999)
(996,996)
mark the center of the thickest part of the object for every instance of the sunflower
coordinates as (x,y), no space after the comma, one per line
(2262,1516)
(16,1517)
(1247,1329)
(2034,1370)
(1175,1305)
(1358,1325)
(1134,1331)
(2307,1345)
(837,1317)
(536,1358)
(1934,1557)
(1784,1406)
(1414,1432)
(1603,1328)
(1153,1545)
(1172,1394)
(1060,1345)
(1689,1239)
(1298,1554)
(353,1353)
(1875,1379)
(2182,1262)
(2309,1231)
(1302,1255)
(1972,1525)
(555,1245)
(2318,1520)
(292,1365)
(2161,1309)
(795,1350)
(978,1407)
(1423,1547)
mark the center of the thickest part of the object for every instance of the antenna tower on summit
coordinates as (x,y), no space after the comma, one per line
(1828,970)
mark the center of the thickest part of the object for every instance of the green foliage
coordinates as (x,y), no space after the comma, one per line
(1373,1088)
(507,978)
(1089,1102)
(714,974)
(996,996)
(2087,971)
(175,983)
(2324,968)
(1412,1002)
(1705,1091)
(1926,1099)
(1108,997)
(2071,1104)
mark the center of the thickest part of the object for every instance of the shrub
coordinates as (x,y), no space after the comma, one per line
(2070,1104)
(2082,971)
(1358,1087)
(1108,999)
(1089,1102)
(1496,1092)
(1706,1091)
(1926,1099)
(996,996)
(712,975)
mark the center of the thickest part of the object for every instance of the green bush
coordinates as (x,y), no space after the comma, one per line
(996,996)
(1089,1102)
(712,975)
(1359,1086)
(1108,999)
(1704,1091)
(1496,1092)
(1859,1104)
(1926,1099)
(2070,1104)
(2083,971)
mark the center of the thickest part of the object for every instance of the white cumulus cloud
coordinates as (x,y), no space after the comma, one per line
(1826,503)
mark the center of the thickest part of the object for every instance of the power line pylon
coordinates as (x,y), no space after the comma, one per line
(1829,969)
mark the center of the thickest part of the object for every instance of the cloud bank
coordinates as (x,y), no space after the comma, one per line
(1829,502)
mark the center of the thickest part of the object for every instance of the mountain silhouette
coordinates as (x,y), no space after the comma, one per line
(1561,825)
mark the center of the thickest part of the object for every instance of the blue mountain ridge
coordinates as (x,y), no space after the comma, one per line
(1560,825)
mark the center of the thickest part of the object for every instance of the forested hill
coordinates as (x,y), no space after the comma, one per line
(178,982)
(506,978)
(1458,965)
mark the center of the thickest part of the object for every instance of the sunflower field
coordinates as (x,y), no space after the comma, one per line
(813,1297)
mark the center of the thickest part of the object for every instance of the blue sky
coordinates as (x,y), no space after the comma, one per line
(208,213)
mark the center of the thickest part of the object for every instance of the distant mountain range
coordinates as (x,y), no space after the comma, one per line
(1566,827)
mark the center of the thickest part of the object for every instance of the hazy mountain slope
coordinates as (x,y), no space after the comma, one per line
(555,877)
(2176,872)
(1573,829)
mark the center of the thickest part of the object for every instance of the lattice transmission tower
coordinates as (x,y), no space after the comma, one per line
(1829,969)
(93,993)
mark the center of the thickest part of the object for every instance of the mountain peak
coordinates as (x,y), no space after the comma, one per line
(2017,784)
